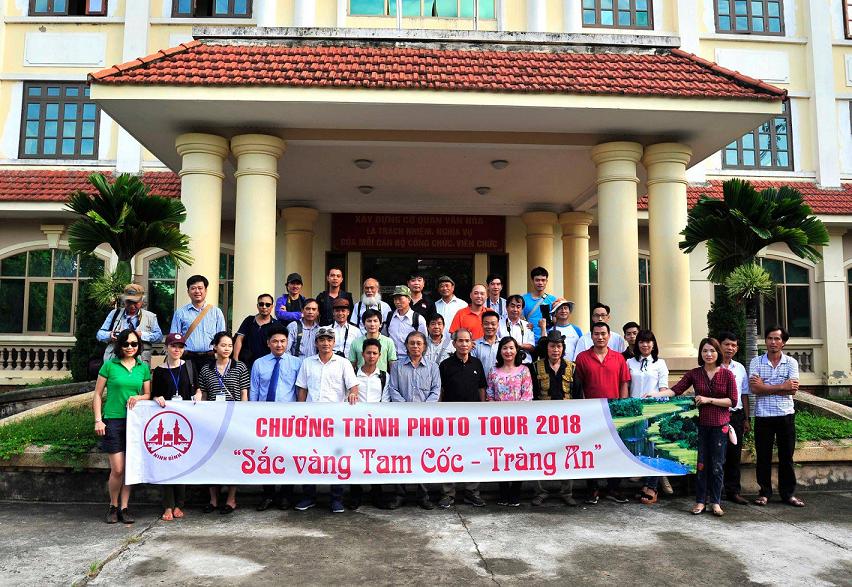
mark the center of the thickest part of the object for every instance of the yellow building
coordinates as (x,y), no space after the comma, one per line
(539,125)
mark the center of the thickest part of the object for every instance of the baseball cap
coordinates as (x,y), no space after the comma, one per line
(340,303)
(561,302)
(175,338)
(447,278)
(294,277)
(133,292)
(402,290)
(325,332)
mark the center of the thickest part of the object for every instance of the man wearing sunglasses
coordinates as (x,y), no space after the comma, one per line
(250,338)
(131,315)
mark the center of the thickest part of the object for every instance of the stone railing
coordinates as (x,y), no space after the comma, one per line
(804,355)
(36,354)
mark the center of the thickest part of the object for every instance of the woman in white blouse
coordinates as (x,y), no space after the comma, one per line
(648,375)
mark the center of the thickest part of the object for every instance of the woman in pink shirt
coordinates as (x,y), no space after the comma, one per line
(509,381)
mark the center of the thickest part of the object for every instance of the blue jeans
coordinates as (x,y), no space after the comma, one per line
(310,491)
(712,445)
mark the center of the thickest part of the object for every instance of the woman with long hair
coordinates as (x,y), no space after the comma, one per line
(126,380)
(509,381)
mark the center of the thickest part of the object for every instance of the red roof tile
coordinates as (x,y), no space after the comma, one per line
(660,73)
(54,185)
(821,200)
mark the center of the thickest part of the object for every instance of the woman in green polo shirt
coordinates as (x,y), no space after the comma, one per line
(126,380)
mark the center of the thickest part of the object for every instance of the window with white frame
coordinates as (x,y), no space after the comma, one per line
(39,290)
(762,17)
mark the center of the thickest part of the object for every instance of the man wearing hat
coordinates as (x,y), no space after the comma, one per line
(402,320)
(325,377)
(419,303)
(449,304)
(553,379)
(132,316)
(288,307)
(344,332)
(561,312)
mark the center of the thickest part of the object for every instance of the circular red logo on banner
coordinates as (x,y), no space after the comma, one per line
(168,436)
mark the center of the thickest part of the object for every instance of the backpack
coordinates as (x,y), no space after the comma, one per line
(415,322)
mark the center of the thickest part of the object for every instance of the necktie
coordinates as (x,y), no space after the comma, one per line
(273,381)
(644,365)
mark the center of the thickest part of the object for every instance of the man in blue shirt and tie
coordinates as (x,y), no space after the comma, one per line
(273,379)
(198,322)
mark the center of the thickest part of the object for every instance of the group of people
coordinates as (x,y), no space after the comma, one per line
(519,348)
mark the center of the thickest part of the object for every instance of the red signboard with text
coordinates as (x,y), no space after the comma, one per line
(446,233)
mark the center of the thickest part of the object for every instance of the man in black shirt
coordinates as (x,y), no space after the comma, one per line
(631,331)
(326,299)
(419,303)
(462,380)
(250,338)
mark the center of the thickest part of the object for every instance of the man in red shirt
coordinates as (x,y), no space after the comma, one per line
(602,371)
(603,374)
(471,317)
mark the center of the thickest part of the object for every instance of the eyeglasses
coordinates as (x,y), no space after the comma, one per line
(131,302)
(129,344)
(264,304)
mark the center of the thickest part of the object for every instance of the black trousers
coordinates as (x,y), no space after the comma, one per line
(734,454)
(769,431)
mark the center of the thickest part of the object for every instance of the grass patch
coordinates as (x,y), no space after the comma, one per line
(69,434)
(815,427)
(49,381)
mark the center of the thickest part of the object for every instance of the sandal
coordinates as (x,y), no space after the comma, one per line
(178,513)
(649,496)
(717,510)
(697,509)
(795,502)
(761,501)
(167,516)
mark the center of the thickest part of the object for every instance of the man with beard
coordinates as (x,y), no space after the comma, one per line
(371,299)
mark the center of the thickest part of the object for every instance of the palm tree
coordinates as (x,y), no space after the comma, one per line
(737,227)
(126,217)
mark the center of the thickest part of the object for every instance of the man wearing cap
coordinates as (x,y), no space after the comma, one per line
(325,377)
(301,334)
(470,316)
(273,379)
(494,301)
(561,312)
(419,303)
(515,326)
(333,292)
(371,299)
(198,322)
(132,316)
(403,320)
(288,307)
(344,332)
(449,304)
(250,338)
(553,379)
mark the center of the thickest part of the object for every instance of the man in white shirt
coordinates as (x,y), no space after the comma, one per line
(344,331)
(301,334)
(403,320)
(561,312)
(600,313)
(518,328)
(370,299)
(494,301)
(449,304)
(325,377)
(439,344)
(740,420)
(372,388)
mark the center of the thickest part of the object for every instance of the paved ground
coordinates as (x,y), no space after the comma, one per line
(47,544)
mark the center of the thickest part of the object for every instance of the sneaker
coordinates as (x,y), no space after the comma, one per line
(538,500)
(124,517)
(593,498)
(514,503)
(569,500)
(616,497)
(426,503)
(112,515)
(474,500)
(502,501)
(337,506)
(446,502)
(306,504)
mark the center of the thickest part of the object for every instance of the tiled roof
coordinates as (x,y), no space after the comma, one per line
(660,73)
(821,200)
(40,185)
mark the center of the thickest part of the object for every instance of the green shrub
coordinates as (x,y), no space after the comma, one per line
(625,408)
(727,315)
(815,427)
(90,316)
(69,433)
(681,430)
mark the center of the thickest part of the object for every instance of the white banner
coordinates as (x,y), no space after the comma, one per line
(255,443)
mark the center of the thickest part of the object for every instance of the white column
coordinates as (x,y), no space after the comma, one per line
(687,24)
(136,23)
(667,213)
(254,228)
(536,16)
(305,13)
(299,228)
(618,230)
(575,263)
(201,178)
(831,291)
(265,11)
(342,11)
(540,227)
(820,68)
(572,16)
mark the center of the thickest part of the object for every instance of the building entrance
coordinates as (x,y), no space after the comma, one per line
(392,269)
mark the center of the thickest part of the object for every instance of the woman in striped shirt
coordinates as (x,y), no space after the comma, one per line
(223,379)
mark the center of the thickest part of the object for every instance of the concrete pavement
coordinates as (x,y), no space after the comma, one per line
(47,544)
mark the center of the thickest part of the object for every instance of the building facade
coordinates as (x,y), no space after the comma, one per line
(567,176)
